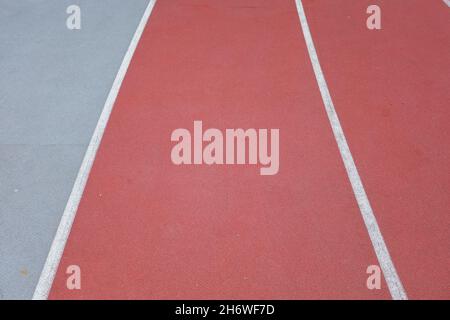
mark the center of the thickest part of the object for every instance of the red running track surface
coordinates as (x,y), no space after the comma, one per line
(146,228)
(391,91)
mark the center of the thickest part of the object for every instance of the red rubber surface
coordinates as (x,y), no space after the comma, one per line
(146,228)
(391,91)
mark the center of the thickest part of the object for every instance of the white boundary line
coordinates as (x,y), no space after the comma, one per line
(384,259)
(54,256)
(447,2)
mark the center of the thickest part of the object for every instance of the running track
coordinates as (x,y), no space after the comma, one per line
(145,228)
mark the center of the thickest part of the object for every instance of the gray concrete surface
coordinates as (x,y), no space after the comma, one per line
(53,84)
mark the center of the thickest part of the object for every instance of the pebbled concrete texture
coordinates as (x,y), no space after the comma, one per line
(53,84)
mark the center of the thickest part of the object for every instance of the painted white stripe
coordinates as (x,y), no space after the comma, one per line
(51,265)
(447,2)
(384,259)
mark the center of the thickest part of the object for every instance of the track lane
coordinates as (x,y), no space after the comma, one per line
(390,89)
(148,229)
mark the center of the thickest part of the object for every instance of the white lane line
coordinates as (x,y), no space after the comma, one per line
(54,256)
(447,2)
(384,259)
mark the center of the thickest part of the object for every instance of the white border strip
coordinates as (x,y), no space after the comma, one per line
(447,2)
(384,259)
(54,256)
